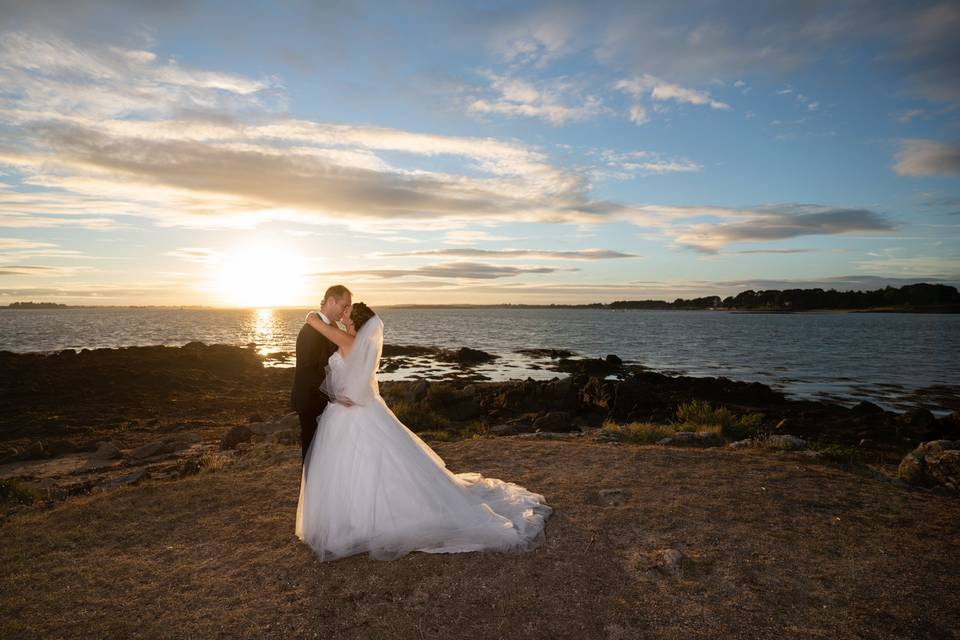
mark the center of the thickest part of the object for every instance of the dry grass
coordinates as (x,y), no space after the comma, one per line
(776,549)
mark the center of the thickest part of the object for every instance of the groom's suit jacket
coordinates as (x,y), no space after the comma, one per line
(313,351)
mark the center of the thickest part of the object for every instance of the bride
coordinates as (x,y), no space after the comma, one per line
(371,485)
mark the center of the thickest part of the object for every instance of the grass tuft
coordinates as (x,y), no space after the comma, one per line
(699,415)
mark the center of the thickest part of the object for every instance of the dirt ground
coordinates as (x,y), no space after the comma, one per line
(774,546)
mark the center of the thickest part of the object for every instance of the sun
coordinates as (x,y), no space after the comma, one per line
(261,276)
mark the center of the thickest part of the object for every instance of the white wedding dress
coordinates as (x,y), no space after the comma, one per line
(370,485)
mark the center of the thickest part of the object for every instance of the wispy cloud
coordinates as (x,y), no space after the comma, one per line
(630,164)
(448,270)
(646,86)
(779,224)
(196,254)
(557,101)
(580,254)
(918,157)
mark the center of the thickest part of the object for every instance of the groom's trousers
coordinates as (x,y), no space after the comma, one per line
(308,426)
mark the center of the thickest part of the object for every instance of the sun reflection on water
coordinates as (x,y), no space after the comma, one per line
(268,335)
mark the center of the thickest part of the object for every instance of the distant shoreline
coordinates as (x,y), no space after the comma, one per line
(948,308)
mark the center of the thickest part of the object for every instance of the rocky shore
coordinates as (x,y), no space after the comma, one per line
(74,423)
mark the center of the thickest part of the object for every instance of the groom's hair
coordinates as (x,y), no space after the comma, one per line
(360,314)
(337,291)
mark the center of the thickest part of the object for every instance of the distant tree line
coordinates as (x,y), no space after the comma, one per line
(911,295)
(35,305)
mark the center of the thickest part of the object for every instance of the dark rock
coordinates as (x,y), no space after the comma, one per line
(553,354)
(130,478)
(510,428)
(236,436)
(557,421)
(151,449)
(59,447)
(866,408)
(35,450)
(613,360)
(917,423)
(107,451)
(456,404)
(467,356)
(587,367)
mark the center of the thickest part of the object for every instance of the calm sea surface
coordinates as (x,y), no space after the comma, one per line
(895,360)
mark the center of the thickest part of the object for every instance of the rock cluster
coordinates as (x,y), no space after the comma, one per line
(935,463)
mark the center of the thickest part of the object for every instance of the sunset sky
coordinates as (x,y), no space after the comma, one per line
(244,153)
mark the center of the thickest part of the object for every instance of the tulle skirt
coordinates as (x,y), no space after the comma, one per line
(371,485)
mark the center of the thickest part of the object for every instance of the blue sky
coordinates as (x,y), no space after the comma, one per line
(429,152)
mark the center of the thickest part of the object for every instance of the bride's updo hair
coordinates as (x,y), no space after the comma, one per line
(360,314)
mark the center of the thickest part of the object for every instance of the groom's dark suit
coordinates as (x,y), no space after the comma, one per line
(313,351)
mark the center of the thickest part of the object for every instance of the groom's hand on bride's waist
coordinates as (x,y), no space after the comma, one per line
(345,402)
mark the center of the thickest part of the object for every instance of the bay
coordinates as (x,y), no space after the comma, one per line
(896,360)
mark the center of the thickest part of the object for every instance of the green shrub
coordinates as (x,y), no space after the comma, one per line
(14,491)
(699,415)
(636,432)
(835,452)
(475,429)
(419,418)
(440,435)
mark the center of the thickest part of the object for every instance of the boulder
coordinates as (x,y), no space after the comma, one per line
(785,442)
(151,449)
(130,478)
(917,423)
(59,447)
(35,450)
(557,421)
(179,441)
(106,451)
(466,356)
(693,439)
(238,435)
(741,444)
(511,428)
(669,562)
(456,404)
(935,463)
(865,408)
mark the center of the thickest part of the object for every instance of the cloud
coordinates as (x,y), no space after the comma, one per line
(538,38)
(919,157)
(638,114)
(465,236)
(648,86)
(53,75)
(580,254)
(929,50)
(779,224)
(628,165)
(557,101)
(942,266)
(195,254)
(748,251)
(42,270)
(449,270)
(7,244)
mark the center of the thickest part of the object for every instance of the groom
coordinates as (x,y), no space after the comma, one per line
(313,351)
